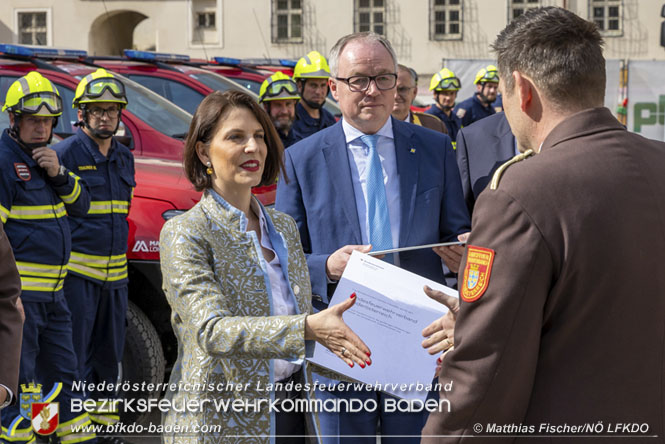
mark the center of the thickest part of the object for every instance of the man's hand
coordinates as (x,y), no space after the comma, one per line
(19,306)
(439,334)
(3,395)
(47,159)
(336,262)
(452,255)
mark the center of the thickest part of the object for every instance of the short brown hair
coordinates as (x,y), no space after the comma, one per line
(206,122)
(560,51)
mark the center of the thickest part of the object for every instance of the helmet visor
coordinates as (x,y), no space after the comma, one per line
(276,88)
(32,103)
(449,83)
(97,87)
(490,76)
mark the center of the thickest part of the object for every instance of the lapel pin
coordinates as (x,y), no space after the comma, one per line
(412,151)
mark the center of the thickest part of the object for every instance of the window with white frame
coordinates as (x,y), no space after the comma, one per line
(519,7)
(445,19)
(607,15)
(205,20)
(287,21)
(32,27)
(370,15)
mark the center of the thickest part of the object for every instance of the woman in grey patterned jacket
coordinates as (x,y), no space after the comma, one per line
(236,279)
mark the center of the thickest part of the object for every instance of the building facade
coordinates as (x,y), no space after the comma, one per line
(423,32)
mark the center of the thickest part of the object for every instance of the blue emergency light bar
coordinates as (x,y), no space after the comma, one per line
(42,51)
(274,62)
(150,56)
(227,61)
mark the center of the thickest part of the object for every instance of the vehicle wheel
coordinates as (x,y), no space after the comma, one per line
(142,361)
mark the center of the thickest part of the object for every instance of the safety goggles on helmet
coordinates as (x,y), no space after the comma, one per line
(449,83)
(490,76)
(97,88)
(276,88)
(33,103)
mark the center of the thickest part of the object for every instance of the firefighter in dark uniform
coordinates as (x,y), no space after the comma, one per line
(480,104)
(444,86)
(96,287)
(279,96)
(311,74)
(562,290)
(36,195)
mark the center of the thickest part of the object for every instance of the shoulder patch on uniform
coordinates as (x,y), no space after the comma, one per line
(87,167)
(476,272)
(22,171)
(497,174)
(460,113)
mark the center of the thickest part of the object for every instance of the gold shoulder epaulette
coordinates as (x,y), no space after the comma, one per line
(497,174)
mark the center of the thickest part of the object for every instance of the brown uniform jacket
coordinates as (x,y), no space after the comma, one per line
(428,121)
(571,327)
(11,325)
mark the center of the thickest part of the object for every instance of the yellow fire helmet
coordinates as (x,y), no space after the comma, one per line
(487,75)
(278,86)
(100,86)
(312,66)
(445,80)
(35,95)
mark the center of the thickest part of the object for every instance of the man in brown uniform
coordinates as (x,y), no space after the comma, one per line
(562,317)
(405,94)
(11,324)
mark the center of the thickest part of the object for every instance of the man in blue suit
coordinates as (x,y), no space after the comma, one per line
(339,204)
(481,148)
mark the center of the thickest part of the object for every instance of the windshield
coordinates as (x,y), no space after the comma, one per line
(219,83)
(156,111)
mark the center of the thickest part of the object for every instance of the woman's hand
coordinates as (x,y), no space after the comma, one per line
(328,328)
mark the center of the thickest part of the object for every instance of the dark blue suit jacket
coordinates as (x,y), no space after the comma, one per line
(320,197)
(481,148)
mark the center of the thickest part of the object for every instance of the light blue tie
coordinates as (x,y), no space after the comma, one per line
(380,235)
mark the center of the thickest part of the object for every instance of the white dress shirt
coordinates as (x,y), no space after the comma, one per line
(359,161)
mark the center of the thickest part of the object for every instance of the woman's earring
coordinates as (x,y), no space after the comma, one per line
(209,169)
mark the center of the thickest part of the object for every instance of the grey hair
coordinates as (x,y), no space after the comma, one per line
(411,71)
(368,36)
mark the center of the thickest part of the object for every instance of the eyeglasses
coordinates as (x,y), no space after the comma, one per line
(98,112)
(404,90)
(361,83)
(32,103)
(449,83)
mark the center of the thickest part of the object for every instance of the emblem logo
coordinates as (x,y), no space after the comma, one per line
(22,171)
(45,417)
(476,272)
(29,393)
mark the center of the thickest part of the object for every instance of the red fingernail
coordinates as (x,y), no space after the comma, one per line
(362,365)
(353,295)
(369,362)
(438,359)
(351,365)
(368,354)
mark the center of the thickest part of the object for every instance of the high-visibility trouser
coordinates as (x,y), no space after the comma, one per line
(72,431)
(101,268)
(106,413)
(41,277)
(33,212)
(18,432)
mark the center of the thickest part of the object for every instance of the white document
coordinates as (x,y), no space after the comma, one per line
(389,315)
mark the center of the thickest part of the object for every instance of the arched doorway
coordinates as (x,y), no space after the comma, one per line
(112,32)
